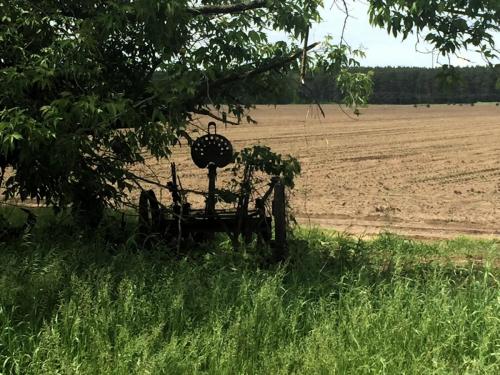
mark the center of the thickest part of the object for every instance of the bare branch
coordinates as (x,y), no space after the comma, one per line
(347,15)
(134,178)
(304,58)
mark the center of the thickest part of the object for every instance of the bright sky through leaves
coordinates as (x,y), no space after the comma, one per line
(381,48)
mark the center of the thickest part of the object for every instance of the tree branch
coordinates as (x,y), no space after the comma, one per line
(205,112)
(232,77)
(205,10)
(273,64)
(472,15)
(213,10)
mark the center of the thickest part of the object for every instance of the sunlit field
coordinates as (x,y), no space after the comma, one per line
(428,173)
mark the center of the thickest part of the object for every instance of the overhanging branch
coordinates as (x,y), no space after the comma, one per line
(236,76)
(206,112)
(205,10)
(273,64)
(213,10)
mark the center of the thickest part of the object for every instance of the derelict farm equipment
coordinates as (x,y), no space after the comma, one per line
(265,218)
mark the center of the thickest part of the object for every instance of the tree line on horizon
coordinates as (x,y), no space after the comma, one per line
(395,85)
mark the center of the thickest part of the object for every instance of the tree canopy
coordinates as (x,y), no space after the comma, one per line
(87,85)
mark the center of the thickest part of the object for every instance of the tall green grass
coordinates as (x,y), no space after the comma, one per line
(79,304)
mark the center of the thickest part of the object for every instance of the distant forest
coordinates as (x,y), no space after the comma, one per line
(396,86)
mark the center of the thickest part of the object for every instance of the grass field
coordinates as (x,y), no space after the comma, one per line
(422,172)
(74,303)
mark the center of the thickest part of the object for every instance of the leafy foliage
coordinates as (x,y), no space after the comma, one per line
(450,25)
(253,170)
(262,159)
(339,62)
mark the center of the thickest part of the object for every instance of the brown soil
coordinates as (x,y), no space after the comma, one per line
(423,172)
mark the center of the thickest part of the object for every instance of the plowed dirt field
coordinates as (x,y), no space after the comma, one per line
(422,172)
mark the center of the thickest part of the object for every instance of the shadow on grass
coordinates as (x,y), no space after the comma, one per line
(36,270)
(96,299)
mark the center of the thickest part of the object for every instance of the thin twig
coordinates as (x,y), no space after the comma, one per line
(313,98)
(206,112)
(347,114)
(342,39)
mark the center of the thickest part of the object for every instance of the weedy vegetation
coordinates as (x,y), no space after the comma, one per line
(95,304)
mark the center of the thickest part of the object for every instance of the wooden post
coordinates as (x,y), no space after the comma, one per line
(212,177)
(279,213)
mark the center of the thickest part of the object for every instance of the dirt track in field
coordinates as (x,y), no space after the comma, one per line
(422,172)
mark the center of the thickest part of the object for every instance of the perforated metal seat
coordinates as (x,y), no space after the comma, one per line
(212,148)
